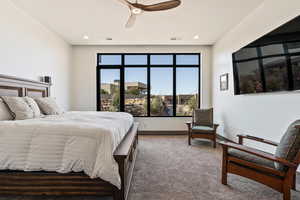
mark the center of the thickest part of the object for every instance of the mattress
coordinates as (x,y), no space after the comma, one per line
(71,142)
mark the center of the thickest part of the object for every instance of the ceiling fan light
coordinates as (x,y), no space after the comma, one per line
(136,11)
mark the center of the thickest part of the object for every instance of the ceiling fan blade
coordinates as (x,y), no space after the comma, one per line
(160,6)
(131,21)
(125,2)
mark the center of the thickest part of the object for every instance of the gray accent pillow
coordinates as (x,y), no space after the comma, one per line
(203,117)
(5,113)
(289,145)
(49,106)
(18,107)
(34,107)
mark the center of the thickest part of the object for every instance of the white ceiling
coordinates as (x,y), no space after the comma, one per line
(100,19)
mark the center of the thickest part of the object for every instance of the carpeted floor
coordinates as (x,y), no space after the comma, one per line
(168,169)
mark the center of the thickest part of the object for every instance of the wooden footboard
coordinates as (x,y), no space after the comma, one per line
(125,155)
(52,183)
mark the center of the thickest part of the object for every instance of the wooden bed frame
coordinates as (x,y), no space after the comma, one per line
(53,183)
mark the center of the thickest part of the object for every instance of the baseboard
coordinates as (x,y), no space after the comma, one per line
(220,137)
(162,132)
(169,132)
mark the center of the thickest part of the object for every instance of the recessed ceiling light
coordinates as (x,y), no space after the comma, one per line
(85,37)
(196,37)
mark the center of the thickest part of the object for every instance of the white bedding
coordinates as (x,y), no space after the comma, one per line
(74,141)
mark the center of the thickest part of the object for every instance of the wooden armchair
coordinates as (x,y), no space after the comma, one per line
(202,126)
(277,171)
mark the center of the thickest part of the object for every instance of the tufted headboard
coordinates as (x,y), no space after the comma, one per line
(14,86)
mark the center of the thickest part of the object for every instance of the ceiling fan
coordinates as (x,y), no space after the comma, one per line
(138,8)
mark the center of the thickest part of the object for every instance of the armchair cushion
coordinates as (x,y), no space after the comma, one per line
(251,158)
(202,128)
(289,145)
(203,117)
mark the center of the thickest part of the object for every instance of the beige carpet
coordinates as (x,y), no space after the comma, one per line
(168,169)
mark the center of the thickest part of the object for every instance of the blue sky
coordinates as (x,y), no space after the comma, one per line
(161,78)
(154,59)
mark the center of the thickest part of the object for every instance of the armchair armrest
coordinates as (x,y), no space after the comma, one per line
(258,153)
(215,126)
(189,124)
(241,137)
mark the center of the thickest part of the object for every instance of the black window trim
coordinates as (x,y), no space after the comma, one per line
(148,66)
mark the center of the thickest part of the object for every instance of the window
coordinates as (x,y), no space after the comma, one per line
(187,87)
(275,70)
(136,91)
(246,53)
(161,60)
(249,77)
(109,59)
(110,90)
(149,85)
(293,47)
(135,59)
(273,49)
(187,60)
(161,92)
(295,60)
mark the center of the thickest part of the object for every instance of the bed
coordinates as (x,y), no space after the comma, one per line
(107,172)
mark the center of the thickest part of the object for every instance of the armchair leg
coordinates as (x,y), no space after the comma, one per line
(287,186)
(189,139)
(286,193)
(224,166)
(214,142)
(294,182)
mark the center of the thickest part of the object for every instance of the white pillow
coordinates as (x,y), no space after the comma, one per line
(19,107)
(5,113)
(34,107)
(48,106)
(22,107)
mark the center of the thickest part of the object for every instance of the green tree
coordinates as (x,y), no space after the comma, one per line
(102,91)
(115,100)
(192,103)
(156,105)
(133,91)
(145,107)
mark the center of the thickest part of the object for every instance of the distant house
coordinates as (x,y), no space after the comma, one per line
(111,87)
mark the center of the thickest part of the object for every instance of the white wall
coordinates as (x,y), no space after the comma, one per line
(29,50)
(264,115)
(84,79)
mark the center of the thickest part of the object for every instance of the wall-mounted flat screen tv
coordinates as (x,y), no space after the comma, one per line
(271,63)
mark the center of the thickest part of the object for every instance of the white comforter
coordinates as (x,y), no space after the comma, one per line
(74,141)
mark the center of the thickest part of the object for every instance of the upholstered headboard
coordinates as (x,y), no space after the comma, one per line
(14,86)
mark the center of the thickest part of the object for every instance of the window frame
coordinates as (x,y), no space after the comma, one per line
(122,68)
